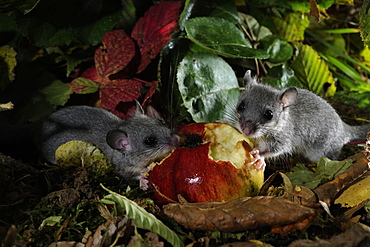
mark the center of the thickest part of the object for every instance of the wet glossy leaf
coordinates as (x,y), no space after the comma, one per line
(278,49)
(208,87)
(205,32)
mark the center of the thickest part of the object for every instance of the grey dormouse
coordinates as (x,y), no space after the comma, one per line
(293,120)
(130,144)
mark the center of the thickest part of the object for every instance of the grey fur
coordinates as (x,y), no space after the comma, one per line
(92,125)
(302,122)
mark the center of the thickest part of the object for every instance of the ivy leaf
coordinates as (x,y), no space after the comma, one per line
(154,30)
(115,53)
(120,90)
(208,87)
(142,218)
(312,71)
(205,32)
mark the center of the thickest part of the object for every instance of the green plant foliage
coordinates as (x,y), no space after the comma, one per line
(208,87)
(292,26)
(278,48)
(142,218)
(365,22)
(312,71)
(326,171)
(205,32)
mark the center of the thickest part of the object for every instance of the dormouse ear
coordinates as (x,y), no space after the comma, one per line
(288,97)
(139,109)
(119,140)
(249,80)
(153,113)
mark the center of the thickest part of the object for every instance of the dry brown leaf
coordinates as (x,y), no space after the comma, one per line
(356,236)
(327,192)
(241,214)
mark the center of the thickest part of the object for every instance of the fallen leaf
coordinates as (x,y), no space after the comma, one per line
(328,191)
(356,236)
(356,193)
(154,30)
(242,214)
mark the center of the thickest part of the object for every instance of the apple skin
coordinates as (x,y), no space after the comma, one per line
(195,175)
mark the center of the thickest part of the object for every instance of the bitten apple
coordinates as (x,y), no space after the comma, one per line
(217,163)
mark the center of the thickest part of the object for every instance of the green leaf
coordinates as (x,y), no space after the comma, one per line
(326,171)
(257,31)
(142,218)
(365,22)
(208,87)
(278,49)
(312,71)
(83,85)
(57,93)
(206,32)
(281,77)
(292,27)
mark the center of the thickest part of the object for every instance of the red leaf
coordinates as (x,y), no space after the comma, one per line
(92,74)
(121,90)
(115,53)
(154,30)
(151,91)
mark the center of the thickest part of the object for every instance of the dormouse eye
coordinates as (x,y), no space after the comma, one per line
(268,115)
(150,141)
(241,106)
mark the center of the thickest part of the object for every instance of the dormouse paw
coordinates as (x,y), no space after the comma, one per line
(258,161)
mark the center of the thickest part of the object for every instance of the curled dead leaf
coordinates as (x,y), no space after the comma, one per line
(328,191)
(242,213)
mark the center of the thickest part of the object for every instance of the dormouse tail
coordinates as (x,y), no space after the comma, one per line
(358,133)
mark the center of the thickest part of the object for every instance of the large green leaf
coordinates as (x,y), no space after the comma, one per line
(142,218)
(221,37)
(208,86)
(292,26)
(312,71)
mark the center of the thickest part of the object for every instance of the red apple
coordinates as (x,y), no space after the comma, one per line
(216,164)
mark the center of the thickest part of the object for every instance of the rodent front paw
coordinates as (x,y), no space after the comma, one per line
(258,161)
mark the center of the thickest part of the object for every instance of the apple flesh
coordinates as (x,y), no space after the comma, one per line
(217,163)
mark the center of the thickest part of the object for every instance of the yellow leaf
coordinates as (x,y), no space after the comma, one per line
(355,194)
(7,65)
(79,153)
